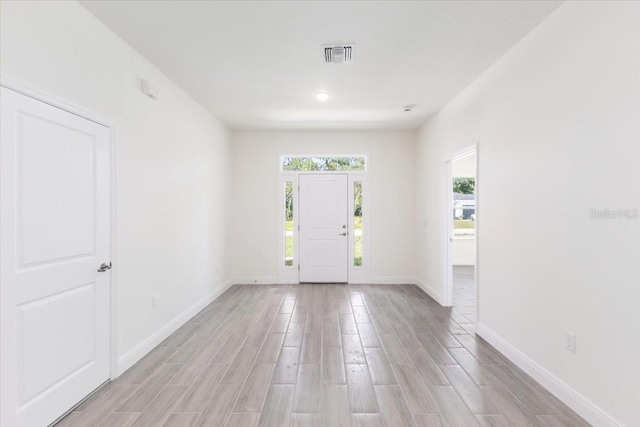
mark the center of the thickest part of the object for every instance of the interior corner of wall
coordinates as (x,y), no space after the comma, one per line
(429,290)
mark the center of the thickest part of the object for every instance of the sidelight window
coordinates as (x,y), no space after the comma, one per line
(288,224)
(357,224)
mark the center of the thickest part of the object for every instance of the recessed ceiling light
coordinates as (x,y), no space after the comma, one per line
(322,96)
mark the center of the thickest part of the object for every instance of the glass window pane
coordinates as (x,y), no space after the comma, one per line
(355,163)
(464,207)
(288,224)
(357,224)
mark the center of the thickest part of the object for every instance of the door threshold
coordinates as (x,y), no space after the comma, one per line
(61,417)
(324,283)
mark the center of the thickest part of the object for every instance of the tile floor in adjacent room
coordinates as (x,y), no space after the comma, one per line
(325,355)
(464,297)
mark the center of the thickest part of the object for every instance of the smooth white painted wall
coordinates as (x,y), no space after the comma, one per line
(464,167)
(557,121)
(463,251)
(391,178)
(173,158)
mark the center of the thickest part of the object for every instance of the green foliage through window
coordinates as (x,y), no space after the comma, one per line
(311,164)
(464,185)
(357,223)
(288,224)
(288,200)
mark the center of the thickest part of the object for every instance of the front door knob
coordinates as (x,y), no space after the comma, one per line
(104,267)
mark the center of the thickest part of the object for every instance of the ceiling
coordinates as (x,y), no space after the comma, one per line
(257,65)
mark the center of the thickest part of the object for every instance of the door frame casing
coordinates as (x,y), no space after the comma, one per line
(447,229)
(61,103)
(356,275)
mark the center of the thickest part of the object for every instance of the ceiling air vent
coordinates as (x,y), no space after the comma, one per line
(338,54)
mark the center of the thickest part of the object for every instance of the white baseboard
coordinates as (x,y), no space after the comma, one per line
(255,280)
(392,280)
(374,280)
(429,290)
(138,352)
(573,399)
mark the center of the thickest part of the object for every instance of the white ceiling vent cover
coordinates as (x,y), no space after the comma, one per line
(338,54)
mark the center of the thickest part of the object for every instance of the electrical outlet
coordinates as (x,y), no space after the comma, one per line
(154,301)
(570,342)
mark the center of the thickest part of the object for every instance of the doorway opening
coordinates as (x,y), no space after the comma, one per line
(323,221)
(461,241)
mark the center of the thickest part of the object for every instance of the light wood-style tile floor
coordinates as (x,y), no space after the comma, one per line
(464,296)
(323,355)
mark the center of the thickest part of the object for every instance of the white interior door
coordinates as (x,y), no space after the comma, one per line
(55,235)
(323,228)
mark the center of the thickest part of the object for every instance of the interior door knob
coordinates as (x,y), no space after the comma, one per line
(343,234)
(104,267)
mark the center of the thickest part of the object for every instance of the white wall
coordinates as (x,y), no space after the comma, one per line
(391,177)
(464,167)
(463,251)
(173,158)
(558,123)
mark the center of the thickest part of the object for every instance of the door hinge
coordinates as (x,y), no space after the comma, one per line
(298,227)
(298,267)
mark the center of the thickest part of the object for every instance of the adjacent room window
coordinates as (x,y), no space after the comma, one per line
(329,163)
(357,224)
(464,207)
(288,224)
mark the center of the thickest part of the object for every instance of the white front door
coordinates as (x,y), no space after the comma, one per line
(55,235)
(323,228)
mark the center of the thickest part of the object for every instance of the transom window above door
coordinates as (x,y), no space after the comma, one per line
(323,163)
